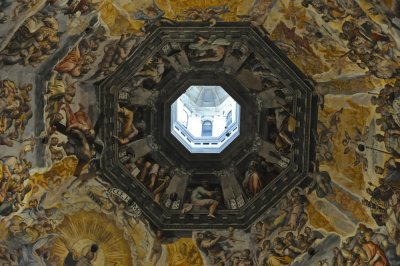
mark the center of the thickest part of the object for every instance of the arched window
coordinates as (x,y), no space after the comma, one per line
(206,129)
(229,118)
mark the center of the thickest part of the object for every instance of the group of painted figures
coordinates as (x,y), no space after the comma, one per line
(137,102)
(286,235)
(15,113)
(384,202)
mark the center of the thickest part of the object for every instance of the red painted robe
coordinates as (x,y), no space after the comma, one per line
(372,249)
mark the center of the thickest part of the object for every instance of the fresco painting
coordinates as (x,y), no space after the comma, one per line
(57,209)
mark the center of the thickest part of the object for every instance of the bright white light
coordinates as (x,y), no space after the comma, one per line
(205,119)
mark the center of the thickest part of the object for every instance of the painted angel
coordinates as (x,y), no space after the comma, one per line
(358,146)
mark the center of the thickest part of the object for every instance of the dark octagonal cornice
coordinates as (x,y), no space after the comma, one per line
(173,89)
(172,86)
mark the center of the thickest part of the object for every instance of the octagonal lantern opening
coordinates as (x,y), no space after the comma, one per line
(205,119)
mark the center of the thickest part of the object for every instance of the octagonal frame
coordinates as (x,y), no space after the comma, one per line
(172,89)
(166,219)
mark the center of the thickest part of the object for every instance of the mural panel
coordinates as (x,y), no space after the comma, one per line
(57,209)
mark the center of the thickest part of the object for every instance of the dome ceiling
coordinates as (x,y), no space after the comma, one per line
(273,146)
(205,129)
(206,96)
(88,163)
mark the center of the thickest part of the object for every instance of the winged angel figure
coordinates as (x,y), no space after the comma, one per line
(357,144)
